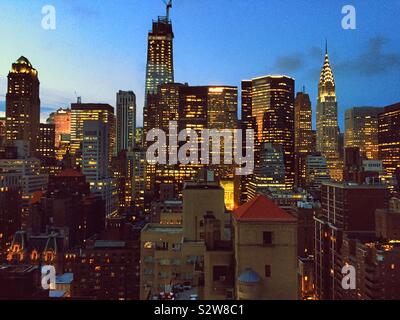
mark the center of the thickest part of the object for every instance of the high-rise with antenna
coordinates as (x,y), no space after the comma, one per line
(160,66)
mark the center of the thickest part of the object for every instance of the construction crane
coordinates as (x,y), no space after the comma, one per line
(169,7)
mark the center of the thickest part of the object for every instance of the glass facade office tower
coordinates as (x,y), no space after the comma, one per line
(160,66)
(126,120)
(273,109)
(303,124)
(361,130)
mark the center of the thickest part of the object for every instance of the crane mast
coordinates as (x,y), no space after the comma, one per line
(169,7)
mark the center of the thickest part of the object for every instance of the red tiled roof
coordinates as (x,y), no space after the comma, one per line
(36,196)
(70,173)
(262,209)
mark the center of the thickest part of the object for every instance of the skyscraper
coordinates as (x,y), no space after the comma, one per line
(167,104)
(273,109)
(96,163)
(23,103)
(361,130)
(95,150)
(269,172)
(303,123)
(389,138)
(62,121)
(247,122)
(327,118)
(346,208)
(2,131)
(222,107)
(126,120)
(160,66)
(46,142)
(82,112)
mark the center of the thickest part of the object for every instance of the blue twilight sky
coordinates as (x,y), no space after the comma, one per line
(99,46)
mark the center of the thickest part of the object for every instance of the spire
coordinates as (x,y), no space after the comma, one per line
(326,72)
(326,46)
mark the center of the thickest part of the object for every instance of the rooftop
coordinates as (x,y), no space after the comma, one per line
(70,173)
(100,244)
(262,209)
(23,60)
(162,228)
(37,195)
(353,185)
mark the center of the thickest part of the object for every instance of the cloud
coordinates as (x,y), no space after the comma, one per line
(53,99)
(78,7)
(298,61)
(316,53)
(289,63)
(373,61)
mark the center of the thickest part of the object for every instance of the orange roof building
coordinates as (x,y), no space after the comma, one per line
(262,209)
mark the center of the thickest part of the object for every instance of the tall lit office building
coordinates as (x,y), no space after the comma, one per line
(222,107)
(192,114)
(167,104)
(95,163)
(247,119)
(137,166)
(95,150)
(247,122)
(389,138)
(303,123)
(62,121)
(222,111)
(126,120)
(2,131)
(160,66)
(82,112)
(269,173)
(316,171)
(23,103)
(361,130)
(273,109)
(197,108)
(46,142)
(327,113)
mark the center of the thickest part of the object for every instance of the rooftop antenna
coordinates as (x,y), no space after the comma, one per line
(169,7)
(326,46)
(78,98)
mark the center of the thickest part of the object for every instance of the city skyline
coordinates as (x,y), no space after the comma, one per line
(200,203)
(374,54)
